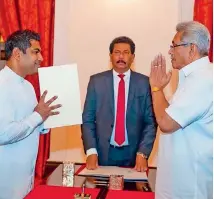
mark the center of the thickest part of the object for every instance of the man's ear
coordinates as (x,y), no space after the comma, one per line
(133,56)
(193,50)
(16,53)
(110,57)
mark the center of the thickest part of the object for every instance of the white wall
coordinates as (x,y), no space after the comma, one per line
(85,28)
(186,10)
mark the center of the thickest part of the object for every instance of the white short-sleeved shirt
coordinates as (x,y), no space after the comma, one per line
(20,128)
(185,157)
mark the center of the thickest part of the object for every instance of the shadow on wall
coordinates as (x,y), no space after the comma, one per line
(67,142)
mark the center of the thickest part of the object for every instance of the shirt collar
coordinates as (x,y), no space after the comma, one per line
(127,73)
(12,74)
(194,65)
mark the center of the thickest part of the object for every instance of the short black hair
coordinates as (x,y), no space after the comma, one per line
(19,39)
(122,39)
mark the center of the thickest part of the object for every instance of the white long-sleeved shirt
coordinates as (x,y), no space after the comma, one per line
(20,128)
(116,81)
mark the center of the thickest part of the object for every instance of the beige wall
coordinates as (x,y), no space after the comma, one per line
(85,28)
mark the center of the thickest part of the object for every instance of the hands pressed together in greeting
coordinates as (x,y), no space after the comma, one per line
(159,78)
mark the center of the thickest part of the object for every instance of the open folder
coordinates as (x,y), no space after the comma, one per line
(105,171)
(62,81)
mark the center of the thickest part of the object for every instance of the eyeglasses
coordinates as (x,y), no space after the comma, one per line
(177,45)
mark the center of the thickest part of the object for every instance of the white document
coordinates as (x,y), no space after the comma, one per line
(62,81)
(106,171)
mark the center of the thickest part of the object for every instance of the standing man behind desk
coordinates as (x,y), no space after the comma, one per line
(21,116)
(185,156)
(119,126)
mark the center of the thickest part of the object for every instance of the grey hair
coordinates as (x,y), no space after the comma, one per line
(195,33)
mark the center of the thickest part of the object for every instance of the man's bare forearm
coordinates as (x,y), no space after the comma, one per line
(165,122)
(160,104)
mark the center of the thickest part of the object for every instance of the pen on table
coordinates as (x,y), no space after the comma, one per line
(83,190)
(146,188)
(101,182)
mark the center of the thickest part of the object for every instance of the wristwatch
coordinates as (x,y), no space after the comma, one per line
(143,155)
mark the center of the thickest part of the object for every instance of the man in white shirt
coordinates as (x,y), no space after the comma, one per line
(21,116)
(185,158)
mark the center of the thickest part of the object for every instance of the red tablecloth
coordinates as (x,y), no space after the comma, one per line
(55,192)
(112,194)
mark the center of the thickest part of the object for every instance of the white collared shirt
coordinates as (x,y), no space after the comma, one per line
(185,156)
(20,128)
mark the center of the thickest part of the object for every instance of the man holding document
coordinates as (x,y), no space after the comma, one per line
(119,126)
(21,116)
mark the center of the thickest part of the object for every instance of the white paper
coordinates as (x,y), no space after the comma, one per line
(63,82)
(106,171)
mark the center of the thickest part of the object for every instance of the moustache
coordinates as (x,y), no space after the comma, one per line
(121,61)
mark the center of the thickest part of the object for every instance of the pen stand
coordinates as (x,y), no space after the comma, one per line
(116,182)
(68,174)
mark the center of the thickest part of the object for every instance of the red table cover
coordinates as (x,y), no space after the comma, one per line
(56,192)
(113,194)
